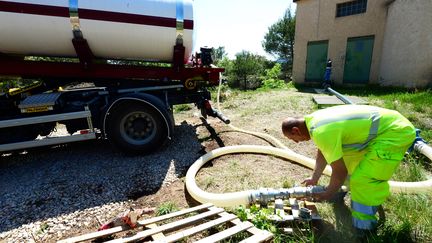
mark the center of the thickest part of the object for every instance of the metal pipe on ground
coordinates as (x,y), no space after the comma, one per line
(339,95)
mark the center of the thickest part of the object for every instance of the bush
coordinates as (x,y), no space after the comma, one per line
(271,78)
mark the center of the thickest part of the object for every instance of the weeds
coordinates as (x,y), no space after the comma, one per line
(182,107)
(209,182)
(166,208)
(287,183)
(43,228)
(262,219)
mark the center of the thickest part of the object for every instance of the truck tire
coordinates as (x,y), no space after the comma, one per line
(136,127)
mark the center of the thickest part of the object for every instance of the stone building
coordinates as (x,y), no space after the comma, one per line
(386,42)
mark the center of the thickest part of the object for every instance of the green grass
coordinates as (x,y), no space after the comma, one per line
(408,215)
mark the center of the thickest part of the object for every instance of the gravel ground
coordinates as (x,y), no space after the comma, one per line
(47,193)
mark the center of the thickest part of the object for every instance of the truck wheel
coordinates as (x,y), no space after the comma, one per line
(136,128)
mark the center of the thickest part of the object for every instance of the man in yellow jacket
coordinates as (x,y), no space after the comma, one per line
(363,144)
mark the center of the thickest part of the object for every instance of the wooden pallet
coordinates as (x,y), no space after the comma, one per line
(288,215)
(187,223)
(291,212)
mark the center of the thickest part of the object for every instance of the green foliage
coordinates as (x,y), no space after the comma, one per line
(262,219)
(271,78)
(218,54)
(287,183)
(43,228)
(137,63)
(182,107)
(9,83)
(241,213)
(279,40)
(166,208)
(228,65)
(247,70)
(51,59)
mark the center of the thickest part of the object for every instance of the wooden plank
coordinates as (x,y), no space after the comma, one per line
(175,214)
(94,235)
(260,237)
(314,213)
(295,207)
(227,233)
(185,221)
(158,236)
(199,228)
(237,221)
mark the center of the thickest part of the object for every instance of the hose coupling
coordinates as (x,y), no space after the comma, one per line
(264,195)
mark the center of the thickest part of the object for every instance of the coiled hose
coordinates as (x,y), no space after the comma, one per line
(245,197)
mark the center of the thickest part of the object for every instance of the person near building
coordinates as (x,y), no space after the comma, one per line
(363,145)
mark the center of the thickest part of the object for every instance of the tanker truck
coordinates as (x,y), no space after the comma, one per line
(135,57)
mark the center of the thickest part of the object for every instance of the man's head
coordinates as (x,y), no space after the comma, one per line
(295,129)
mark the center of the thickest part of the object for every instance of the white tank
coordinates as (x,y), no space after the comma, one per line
(124,29)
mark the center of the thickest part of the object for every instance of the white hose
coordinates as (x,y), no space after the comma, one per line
(244,197)
(414,187)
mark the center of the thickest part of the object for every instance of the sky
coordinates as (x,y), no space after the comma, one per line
(236,24)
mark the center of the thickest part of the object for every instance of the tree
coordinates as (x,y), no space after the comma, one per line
(219,54)
(228,65)
(248,66)
(279,40)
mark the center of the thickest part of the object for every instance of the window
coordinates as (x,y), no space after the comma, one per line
(351,8)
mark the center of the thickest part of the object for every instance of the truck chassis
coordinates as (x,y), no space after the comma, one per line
(129,103)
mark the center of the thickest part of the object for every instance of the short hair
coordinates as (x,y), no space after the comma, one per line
(289,123)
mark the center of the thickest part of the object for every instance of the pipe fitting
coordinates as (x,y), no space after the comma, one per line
(264,195)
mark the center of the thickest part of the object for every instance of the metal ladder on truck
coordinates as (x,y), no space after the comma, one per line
(47,141)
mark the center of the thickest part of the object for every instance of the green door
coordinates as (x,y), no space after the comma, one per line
(358,59)
(316,60)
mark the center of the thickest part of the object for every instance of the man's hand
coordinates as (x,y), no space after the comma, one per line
(310,182)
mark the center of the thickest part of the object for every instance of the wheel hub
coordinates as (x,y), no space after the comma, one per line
(138,127)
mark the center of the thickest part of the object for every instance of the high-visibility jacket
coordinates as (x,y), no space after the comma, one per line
(372,141)
(348,131)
